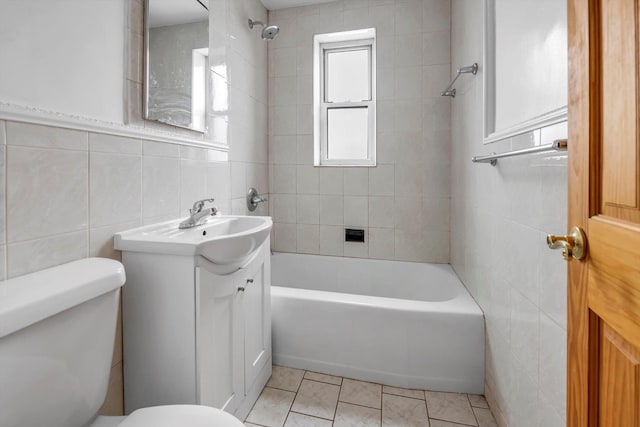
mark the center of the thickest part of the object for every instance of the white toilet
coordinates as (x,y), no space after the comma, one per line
(57,329)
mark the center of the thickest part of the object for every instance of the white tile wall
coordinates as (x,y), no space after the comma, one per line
(413,152)
(66,199)
(68,191)
(499,219)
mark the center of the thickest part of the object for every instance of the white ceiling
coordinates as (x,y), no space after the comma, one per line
(281,4)
(174,12)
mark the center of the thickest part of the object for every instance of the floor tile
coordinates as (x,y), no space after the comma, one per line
(399,411)
(439,423)
(361,393)
(348,415)
(452,407)
(285,378)
(251,425)
(478,401)
(323,378)
(316,399)
(485,417)
(271,408)
(300,420)
(415,394)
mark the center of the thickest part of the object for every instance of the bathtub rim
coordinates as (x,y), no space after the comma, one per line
(462,303)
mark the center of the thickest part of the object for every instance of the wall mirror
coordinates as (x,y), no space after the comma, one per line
(525,66)
(176,62)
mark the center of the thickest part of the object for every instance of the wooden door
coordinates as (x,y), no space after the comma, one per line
(603,376)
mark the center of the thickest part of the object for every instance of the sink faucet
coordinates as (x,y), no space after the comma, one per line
(197,213)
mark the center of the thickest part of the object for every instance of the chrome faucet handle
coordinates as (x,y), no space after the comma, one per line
(253,198)
(197,206)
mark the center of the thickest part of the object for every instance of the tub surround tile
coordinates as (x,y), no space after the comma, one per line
(331,240)
(406,70)
(323,378)
(308,239)
(331,210)
(399,411)
(356,181)
(348,415)
(285,378)
(284,237)
(361,393)
(316,399)
(415,394)
(478,401)
(271,408)
(300,420)
(381,243)
(452,407)
(357,249)
(356,211)
(331,181)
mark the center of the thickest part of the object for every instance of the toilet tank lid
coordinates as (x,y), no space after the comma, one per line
(33,297)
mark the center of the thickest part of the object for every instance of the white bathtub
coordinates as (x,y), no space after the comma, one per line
(397,323)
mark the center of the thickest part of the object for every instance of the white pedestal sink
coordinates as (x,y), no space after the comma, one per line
(224,240)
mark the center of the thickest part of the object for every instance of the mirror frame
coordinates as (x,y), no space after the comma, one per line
(490,134)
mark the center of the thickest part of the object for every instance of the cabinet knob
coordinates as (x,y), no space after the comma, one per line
(249,281)
(240,288)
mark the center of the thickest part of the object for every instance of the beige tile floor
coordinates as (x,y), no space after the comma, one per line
(297,398)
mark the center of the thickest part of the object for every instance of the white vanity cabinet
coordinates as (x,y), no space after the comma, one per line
(196,333)
(233,325)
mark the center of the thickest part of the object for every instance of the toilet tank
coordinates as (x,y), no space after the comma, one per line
(57,330)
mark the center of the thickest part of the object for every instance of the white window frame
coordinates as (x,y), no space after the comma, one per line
(337,42)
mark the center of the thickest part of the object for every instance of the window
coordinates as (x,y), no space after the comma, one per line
(344,98)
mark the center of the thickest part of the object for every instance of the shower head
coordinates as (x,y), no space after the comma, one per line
(268,32)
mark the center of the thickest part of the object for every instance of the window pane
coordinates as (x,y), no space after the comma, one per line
(347,76)
(347,133)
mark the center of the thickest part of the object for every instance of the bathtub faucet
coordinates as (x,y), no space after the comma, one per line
(197,213)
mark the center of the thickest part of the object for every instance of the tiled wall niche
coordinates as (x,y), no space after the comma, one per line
(403,202)
(64,192)
(500,218)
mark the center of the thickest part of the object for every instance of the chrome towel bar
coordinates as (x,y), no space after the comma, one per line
(450,91)
(557,145)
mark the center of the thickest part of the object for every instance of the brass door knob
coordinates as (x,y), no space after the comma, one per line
(573,245)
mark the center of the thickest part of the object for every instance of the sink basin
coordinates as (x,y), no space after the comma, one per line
(223,239)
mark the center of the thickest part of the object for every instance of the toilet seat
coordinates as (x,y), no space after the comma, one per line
(180,416)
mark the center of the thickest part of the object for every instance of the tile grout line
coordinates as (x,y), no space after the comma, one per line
(406,397)
(451,422)
(361,406)
(472,411)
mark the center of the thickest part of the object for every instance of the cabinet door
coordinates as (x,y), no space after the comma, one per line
(256,307)
(219,341)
